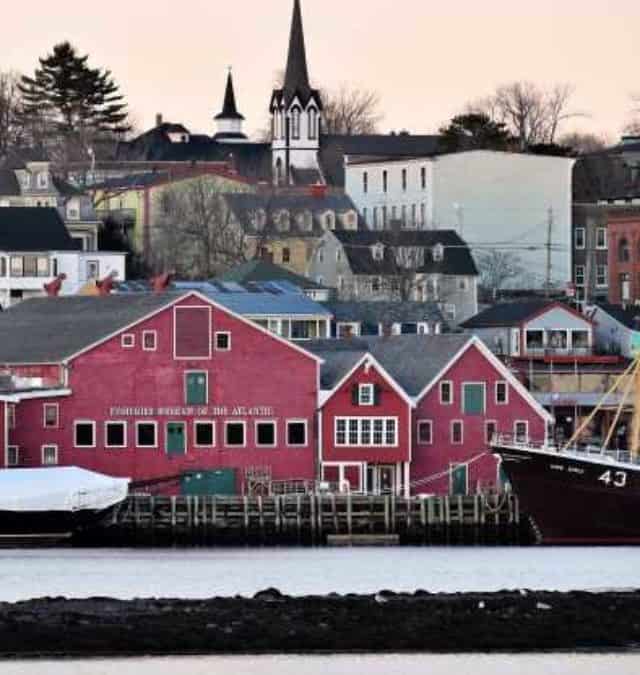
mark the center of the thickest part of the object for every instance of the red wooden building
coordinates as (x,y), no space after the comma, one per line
(623,232)
(415,414)
(156,386)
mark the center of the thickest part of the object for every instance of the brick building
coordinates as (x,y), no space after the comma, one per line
(624,256)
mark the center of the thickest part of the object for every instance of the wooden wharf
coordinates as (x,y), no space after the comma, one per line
(311,519)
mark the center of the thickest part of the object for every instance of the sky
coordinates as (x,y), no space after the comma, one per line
(424,58)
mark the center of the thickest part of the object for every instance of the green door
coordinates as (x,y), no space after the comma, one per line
(196,388)
(175,438)
(474,399)
(215,482)
(459,475)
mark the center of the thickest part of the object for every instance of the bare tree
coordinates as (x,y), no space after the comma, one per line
(531,113)
(196,233)
(496,268)
(583,143)
(11,131)
(351,112)
(633,126)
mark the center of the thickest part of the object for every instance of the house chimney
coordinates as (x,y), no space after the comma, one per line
(158,119)
(162,282)
(53,287)
(105,286)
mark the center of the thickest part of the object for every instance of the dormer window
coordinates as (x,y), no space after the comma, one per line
(43,180)
(377,252)
(25,180)
(438,253)
(283,221)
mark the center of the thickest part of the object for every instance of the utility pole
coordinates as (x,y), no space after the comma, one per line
(548,247)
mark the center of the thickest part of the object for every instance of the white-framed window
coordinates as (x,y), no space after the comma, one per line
(146,434)
(579,238)
(49,455)
(266,434)
(446,392)
(115,434)
(502,392)
(149,340)
(296,433)
(50,415)
(602,276)
(366,431)
(235,434)
(425,432)
(13,455)
(366,394)
(490,430)
(128,341)
(579,275)
(11,415)
(43,180)
(93,269)
(223,341)
(84,434)
(457,432)
(601,239)
(204,433)
(438,253)
(521,431)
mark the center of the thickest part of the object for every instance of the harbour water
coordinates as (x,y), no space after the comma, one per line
(522,664)
(202,573)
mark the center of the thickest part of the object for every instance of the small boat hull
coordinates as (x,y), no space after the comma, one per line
(16,524)
(573,499)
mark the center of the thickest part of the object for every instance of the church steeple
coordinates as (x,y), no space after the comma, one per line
(229,121)
(296,79)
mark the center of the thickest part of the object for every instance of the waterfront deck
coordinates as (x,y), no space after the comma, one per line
(312,518)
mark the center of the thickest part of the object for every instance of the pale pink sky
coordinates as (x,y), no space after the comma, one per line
(425,58)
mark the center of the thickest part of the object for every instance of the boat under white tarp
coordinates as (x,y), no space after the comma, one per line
(66,488)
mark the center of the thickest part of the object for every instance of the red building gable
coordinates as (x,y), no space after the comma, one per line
(184,389)
(624,257)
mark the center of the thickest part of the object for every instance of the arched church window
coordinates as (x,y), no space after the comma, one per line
(313,122)
(274,126)
(282,125)
(295,124)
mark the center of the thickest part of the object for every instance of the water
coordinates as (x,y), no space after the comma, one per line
(201,573)
(550,664)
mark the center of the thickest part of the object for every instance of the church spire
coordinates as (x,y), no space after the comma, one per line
(229,110)
(296,78)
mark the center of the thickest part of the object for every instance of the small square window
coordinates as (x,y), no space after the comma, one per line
(49,455)
(149,340)
(205,434)
(116,434)
(235,434)
(146,435)
(446,393)
(502,393)
(266,434)
(128,341)
(13,455)
(456,432)
(50,411)
(223,342)
(425,432)
(296,433)
(85,436)
(366,394)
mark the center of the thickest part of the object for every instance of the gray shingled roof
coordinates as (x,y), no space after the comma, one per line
(48,330)
(412,360)
(33,229)
(507,313)
(357,246)
(9,186)
(263,270)
(629,317)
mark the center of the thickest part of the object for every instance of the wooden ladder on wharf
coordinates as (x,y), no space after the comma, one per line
(311,518)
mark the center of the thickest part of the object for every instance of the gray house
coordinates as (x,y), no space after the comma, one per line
(399,265)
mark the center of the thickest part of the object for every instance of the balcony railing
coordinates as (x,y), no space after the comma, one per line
(558,351)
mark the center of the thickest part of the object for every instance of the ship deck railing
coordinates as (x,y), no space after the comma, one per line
(577,449)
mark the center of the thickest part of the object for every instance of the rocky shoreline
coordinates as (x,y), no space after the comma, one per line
(275,623)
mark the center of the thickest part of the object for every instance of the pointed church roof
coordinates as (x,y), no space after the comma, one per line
(296,79)
(229,110)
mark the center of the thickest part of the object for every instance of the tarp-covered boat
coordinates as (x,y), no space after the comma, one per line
(56,500)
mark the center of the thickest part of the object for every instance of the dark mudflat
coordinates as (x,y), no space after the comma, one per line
(271,622)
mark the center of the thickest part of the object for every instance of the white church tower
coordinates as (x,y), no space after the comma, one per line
(296,113)
(229,121)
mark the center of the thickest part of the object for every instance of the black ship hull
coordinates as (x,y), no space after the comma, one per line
(573,499)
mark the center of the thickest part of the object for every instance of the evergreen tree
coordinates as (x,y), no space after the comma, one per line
(68,102)
(475,131)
